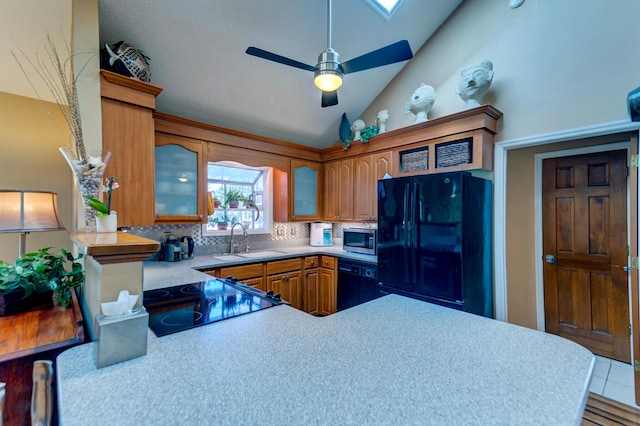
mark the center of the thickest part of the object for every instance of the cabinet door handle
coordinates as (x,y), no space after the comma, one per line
(307,274)
(313,262)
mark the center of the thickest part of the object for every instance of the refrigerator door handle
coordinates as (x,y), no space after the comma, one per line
(406,233)
(413,237)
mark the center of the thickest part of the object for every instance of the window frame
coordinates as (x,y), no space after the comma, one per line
(267,200)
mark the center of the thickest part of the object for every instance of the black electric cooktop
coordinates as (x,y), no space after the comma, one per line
(187,306)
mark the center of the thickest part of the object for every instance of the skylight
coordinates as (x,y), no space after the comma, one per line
(386,8)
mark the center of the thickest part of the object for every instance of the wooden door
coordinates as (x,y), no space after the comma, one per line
(288,285)
(310,292)
(382,165)
(338,190)
(362,181)
(585,247)
(327,292)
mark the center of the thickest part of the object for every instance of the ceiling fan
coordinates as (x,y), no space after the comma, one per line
(329,70)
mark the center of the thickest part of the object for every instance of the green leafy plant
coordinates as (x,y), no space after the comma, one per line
(103,209)
(41,272)
(232,194)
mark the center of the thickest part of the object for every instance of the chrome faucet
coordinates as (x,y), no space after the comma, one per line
(246,238)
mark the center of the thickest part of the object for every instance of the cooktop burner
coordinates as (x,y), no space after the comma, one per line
(187,306)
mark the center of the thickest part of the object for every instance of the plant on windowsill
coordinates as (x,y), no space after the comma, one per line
(222,222)
(233,197)
(28,284)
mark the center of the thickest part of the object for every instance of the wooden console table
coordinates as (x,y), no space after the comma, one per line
(31,336)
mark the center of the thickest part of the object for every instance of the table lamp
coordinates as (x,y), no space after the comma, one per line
(27,211)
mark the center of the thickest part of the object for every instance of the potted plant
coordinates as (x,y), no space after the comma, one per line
(29,283)
(221,222)
(233,196)
(106,220)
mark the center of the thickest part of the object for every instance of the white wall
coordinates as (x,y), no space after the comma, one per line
(558,64)
(29,138)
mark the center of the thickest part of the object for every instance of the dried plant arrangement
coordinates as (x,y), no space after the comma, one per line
(59,75)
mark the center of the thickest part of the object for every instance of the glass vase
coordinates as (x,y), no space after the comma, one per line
(89,174)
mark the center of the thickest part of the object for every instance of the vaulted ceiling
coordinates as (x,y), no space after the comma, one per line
(197,50)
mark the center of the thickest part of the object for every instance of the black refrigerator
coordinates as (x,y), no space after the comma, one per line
(434,240)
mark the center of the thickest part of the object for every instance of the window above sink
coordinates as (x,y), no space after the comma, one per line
(239,194)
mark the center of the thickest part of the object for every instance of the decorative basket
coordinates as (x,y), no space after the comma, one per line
(15,303)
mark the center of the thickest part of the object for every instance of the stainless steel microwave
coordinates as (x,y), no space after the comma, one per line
(360,240)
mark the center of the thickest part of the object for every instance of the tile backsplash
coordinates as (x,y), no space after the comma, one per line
(284,234)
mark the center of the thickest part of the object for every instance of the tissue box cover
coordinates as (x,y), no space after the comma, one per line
(121,338)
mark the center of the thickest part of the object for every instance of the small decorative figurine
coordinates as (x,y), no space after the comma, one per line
(383,116)
(422,101)
(129,61)
(356,128)
(474,83)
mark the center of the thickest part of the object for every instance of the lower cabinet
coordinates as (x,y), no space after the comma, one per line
(285,277)
(308,283)
(252,274)
(328,288)
(319,289)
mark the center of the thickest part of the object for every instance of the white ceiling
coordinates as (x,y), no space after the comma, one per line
(197,50)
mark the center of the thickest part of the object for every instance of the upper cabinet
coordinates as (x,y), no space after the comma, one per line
(304,191)
(180,185)
(338,190)
(368,169)
(128,133)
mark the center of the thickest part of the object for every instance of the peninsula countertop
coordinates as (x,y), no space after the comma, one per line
(393,360)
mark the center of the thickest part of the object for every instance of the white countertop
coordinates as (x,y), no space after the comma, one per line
(390,361)
(167,274)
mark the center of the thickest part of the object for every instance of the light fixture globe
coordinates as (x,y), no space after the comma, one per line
(328,77)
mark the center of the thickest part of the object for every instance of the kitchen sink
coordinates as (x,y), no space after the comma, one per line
(264,253)
(227,257)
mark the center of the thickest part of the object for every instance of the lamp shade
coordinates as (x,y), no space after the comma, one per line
(28,211)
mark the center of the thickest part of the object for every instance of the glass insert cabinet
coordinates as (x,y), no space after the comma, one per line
(305,187)
(178,185)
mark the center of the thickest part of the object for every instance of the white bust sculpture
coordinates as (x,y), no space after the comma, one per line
(474,83)
(356,128)
(382,118)
(422,101)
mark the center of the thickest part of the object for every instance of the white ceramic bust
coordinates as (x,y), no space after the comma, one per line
(474,83)
(422,101)
(356,128)
(382,118)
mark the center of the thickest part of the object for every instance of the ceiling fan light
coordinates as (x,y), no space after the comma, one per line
(327,81)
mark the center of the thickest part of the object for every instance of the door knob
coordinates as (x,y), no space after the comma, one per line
(550,259)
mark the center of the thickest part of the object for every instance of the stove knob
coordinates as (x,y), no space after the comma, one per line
(269,294)
(277,297)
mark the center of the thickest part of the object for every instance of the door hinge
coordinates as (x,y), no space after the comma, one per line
(636,366)
(635,160)
(629,329)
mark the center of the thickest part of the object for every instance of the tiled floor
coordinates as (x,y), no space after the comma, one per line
(613,379)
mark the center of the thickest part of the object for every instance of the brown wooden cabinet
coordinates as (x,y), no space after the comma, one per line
(338,190)
(285,277)
(252,274)
(181,179)
(368,169)
(310,285)
(128,133)
(304,191)
(327,286)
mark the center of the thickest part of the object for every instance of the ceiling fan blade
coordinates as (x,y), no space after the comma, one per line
(329,98)
(396,52)
(254,51)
